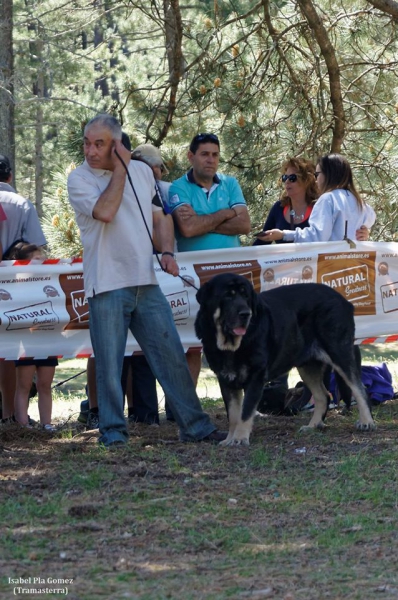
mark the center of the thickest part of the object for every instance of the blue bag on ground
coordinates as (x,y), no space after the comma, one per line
(377,380)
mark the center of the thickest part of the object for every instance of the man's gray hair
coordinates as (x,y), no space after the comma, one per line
(105,120)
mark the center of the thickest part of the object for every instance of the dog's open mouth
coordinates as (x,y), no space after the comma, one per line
(239,330)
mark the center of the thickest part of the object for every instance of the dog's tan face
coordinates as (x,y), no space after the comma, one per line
(229,302)
(232,316)
(226,342)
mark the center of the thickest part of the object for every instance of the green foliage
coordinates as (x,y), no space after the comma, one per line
(257,79)
(59,224)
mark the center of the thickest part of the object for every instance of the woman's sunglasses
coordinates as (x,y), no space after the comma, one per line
(292,178)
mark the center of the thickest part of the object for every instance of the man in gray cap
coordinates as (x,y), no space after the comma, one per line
(21,224)
(152,156)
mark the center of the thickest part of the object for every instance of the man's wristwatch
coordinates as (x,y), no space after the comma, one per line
(168,254)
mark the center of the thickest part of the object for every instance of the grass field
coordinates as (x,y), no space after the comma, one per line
(293,517)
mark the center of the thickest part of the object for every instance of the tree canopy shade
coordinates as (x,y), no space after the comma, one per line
(272,79)
(388,6)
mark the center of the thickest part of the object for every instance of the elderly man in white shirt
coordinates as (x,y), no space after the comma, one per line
(120,282)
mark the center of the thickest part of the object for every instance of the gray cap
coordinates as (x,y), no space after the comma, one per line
(151,155)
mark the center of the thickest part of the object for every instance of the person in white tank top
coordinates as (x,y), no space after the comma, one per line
(339,211)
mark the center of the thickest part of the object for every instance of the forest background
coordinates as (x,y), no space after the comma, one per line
(271,78)
(293,517)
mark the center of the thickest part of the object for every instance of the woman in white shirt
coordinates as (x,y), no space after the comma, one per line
(339,211)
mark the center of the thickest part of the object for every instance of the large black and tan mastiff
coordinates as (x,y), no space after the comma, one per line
(251,338)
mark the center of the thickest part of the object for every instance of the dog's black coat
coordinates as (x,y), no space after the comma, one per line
(251,338)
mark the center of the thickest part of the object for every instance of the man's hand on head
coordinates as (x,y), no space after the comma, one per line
(123,152)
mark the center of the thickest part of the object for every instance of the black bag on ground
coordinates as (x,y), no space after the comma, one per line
(297,398)
(278,399)
(273,398)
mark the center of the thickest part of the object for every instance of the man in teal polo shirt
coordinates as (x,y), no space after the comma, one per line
(208,208)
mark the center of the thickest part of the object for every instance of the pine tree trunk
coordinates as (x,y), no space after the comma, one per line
(39,178)
(7,141)
(39,90)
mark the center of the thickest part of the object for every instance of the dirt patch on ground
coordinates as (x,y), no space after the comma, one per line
(291,517)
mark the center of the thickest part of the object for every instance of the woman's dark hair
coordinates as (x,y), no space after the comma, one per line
(338,175)
(306,173)
(21,251)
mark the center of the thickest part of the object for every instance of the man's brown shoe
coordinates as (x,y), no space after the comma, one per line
(215,437)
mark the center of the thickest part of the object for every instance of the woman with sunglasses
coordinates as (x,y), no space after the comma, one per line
(297,209)
(292,210)
(295,206)
(339,213)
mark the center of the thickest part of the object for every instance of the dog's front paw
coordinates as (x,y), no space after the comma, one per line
(242,442)
(368,426)
(233,441)
(312,427)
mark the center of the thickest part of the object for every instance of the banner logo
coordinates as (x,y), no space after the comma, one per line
(352,283)
(179,304)
(4,295)
(247,268)
(75,301)
(389,297)
(353,276)
(79,306)
(35,316)
(50,291)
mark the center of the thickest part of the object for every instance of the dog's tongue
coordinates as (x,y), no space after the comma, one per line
(239,331)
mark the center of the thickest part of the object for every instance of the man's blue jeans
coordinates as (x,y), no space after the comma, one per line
(145,311)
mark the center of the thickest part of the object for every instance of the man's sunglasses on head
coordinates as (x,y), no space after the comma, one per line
(211,137)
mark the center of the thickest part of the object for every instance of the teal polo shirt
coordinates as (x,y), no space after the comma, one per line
(224,193)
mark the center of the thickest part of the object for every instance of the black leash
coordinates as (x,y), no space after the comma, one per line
(187,281)
(347,239)
(69,378)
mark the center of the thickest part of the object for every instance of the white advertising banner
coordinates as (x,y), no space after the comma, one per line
(43,310)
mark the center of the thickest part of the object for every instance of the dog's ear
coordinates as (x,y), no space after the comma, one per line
(201,293)
(198,326)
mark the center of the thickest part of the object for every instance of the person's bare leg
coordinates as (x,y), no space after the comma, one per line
(7,387)
(44,379)
(129,388)
(194,360)
(24,378)
(91,383)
